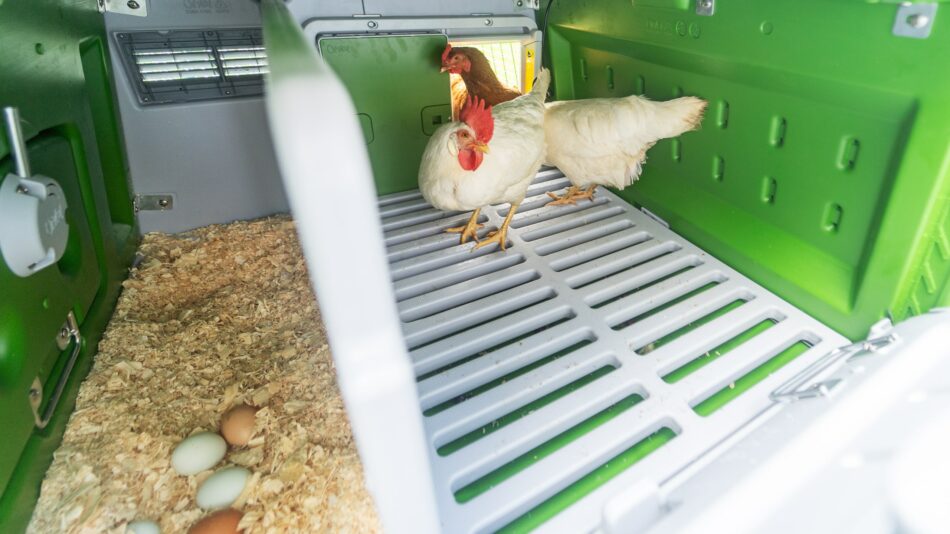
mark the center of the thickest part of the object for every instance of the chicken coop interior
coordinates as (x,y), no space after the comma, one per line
(521,266)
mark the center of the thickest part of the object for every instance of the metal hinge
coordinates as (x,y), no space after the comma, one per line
(137,8)
(914,20)
(153,203)
(705,8)
(802,385)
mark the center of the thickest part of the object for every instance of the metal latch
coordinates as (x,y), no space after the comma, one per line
(914,20)
(138,8)
(802,385)
(69,331)
(153,203)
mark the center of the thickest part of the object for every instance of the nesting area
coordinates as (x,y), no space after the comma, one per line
(209,319)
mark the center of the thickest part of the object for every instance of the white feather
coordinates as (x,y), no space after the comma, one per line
(516,151)
(603,141)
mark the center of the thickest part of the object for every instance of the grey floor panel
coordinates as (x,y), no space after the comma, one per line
(588,312)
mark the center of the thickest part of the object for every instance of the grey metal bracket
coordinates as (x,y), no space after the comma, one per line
(69,331)
(531,4)
(705,8)
(153,203)
(914,20)
(136,8)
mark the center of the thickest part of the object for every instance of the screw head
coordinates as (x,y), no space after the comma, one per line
(372,24)
(133,4)
(488,22)
(520,3)
(918,20)
(706,4)
(21,189)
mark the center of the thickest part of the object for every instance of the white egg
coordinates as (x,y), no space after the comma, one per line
(143,526)
(222,488)
(198,452)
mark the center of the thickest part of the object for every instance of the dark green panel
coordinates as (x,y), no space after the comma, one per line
(820,169)
(400,95)
(55,71)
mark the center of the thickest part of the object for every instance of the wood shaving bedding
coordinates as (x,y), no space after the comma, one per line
(209,319)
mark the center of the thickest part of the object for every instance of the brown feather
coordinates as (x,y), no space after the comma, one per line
(481,81)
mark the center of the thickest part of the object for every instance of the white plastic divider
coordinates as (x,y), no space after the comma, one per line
(329,183)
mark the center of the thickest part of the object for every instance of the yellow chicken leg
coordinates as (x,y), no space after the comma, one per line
(572,195)
(499,236)
(470,230)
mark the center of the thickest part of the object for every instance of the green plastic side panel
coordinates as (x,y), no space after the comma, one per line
(400,95)
(821,169)
(57,73)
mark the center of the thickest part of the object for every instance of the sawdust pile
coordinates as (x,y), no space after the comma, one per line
(215,317)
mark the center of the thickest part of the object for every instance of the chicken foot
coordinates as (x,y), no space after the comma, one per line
(572,195)
(500,235)
(470,230)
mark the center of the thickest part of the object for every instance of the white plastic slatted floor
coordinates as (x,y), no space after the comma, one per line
(557,306)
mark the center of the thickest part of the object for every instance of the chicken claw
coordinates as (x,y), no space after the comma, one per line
(470,230)
(572,195)
(499,236)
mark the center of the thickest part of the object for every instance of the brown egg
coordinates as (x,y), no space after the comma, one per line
(237,424)
(223,522)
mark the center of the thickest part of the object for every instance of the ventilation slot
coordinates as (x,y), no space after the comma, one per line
(188,66)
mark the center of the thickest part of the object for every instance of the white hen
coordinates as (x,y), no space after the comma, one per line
(488,156)
(603,141)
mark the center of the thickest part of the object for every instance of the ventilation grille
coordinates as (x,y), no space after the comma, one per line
(601,349)
(188,66)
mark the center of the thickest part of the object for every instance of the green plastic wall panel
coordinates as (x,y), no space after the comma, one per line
(56,73)
(400,95)
(821,169)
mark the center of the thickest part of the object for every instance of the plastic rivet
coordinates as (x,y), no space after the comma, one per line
(718,168)
(722,114)
(372,24)
(918,20)
(769,188)
(488,22)
(777,131)
(694,30)
(40,49)
(766,28)
(681,28)
(848,153)
(832,219)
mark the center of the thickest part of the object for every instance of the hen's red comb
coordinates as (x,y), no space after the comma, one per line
(445,54)
(475,114)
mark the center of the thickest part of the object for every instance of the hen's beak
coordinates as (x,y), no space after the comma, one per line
(443,69)
(480,146)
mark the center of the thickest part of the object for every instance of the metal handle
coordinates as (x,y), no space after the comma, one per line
(69,331)
(795,389)
(11,119)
